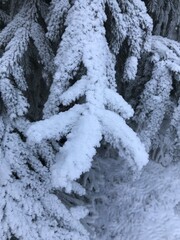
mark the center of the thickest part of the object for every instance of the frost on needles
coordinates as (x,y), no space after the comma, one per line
(28,207)
(158,110)
(87,108)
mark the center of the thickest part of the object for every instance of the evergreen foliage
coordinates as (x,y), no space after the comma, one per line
(29,208)
(158,102)
(86,93)
(92,99)
(166,17)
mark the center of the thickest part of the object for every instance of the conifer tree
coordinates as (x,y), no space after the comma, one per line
(166,17)
(84,89)
(159,98)
(82,82)
(146,207)
(29,209)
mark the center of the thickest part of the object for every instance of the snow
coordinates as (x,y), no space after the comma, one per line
(156,96)
(117,132)
(83,139)
(116,103)
(43,180)
(87,124)
(75,91)
(56,126)
(131,67)
(142,208)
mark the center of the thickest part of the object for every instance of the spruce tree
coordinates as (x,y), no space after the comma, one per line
(84,91)
(88,89)
(148,206)
(29,207)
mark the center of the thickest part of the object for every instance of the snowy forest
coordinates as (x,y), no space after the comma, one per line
(89,120)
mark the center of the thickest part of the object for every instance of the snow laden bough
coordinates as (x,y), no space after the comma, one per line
(16,38)
(101,112)
(28,208)
(158,110)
